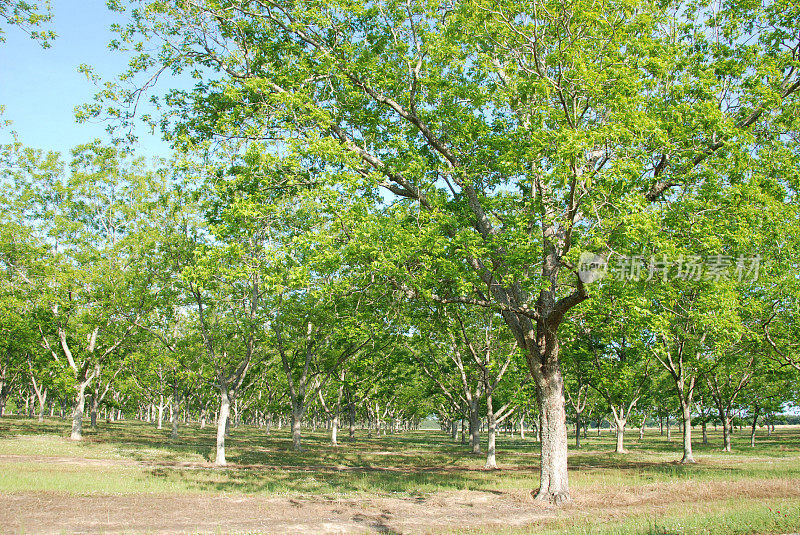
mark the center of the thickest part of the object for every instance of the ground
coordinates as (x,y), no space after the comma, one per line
(129,477)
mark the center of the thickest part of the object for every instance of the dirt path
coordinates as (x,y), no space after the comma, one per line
(46,513)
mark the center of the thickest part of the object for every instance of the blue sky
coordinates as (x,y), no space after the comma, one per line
(41,87)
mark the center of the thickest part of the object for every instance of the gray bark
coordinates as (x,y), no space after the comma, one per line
(222,424)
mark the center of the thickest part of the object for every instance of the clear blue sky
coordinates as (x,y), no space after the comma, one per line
(41,87)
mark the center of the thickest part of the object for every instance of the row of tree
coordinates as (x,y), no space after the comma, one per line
(409,189)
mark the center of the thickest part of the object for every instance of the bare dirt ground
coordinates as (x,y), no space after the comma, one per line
(46,513)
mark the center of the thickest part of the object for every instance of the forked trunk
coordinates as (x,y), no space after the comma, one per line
(222,424)
(620,423)
(42,397)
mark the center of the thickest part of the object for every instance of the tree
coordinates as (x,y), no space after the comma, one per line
(504,130)
(84,279)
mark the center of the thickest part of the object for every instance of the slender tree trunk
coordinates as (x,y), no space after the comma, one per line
(522,426)
(753,429)
(352,421)
(705,432)
(474,427)
(160,411)
(176,403)
(334,430)
(491,462)
(95,403)
(687,432)
(222,425)
(577,429)
(727,430)
(620,423)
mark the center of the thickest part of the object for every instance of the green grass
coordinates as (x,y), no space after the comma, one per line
(134,458)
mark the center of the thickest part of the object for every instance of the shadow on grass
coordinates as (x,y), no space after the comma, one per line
(410,463)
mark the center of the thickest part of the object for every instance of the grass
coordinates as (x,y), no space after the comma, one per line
(129,458)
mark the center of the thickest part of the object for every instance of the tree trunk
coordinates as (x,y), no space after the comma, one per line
(77,411)
(42,395)
(753,430)
(491,462)
(554,481)
(687,432)
(727,430)
(474,427)
(620,423)
(93,414)
(352,421)
(160,411)
(297,420)
(222,424)
(705,432)
(334,430)
(522,427)
(577,429)
(176,403)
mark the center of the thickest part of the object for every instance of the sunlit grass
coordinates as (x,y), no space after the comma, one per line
(135,458)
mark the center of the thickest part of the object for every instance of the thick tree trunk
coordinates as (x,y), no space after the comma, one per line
(222,425)
(554,481)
